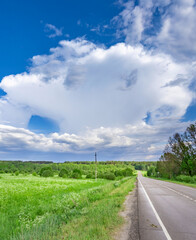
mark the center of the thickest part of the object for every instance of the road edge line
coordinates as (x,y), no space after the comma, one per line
(156,214)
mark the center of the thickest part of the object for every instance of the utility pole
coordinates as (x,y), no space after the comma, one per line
(95,166)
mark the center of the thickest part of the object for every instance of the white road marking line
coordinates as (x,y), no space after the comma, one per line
(179,193)
(156,214)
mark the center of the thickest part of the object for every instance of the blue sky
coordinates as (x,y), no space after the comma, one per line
(116,77)
(23,27)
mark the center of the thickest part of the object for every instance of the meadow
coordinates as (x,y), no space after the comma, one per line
(34,207)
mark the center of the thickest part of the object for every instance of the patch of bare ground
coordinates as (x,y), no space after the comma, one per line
(129,230)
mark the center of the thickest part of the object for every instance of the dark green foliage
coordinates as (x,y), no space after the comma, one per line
(128,172)
(76,174)
(17,173)
(118,173)
(65,176)
(187,179)
(71,169)
(47,173)
(110,176)
(144,166)
(100,175)
(90,175)
(151,171)
(45,169)
(78,171)
(63,172)
(180,155)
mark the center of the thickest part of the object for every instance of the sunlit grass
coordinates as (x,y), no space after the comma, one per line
(37,208)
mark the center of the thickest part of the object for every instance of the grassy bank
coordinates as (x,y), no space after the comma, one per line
(182,179)
(55,208)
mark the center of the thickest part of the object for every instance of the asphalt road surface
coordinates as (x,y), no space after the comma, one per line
(166,210)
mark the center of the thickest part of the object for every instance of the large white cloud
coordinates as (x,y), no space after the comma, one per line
(100,96)
(81,85)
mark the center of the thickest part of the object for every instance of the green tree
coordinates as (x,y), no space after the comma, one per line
(47,173)
(63,172)
(180,154)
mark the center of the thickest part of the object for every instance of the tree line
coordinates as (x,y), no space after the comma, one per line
(179,156)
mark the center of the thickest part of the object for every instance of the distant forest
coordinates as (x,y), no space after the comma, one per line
(85,169)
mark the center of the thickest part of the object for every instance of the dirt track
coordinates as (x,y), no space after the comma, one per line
(129,231)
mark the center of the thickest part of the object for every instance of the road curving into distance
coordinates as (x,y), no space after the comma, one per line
(166,210)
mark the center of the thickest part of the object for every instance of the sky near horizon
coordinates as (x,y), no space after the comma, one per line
(116,77)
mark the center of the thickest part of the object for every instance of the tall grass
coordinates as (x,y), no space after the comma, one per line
(37,208)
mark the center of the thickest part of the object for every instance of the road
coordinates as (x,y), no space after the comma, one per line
(166,210)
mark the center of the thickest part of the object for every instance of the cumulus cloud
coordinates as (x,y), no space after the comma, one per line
(132,142)
(80,85)
(101,97)
(53,30)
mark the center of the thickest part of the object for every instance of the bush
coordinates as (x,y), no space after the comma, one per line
(90,175)
(118,173)
(100,175)
(77,171)
(151,171)
(44,169)
(34,174)
(17,173)
(64,176)
(47,173)
(128,172)
(187,179)
(76,175)
(110,176)
(63,172)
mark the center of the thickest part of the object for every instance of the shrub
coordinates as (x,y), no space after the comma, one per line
(187,179)
(151,171)
(34,174)
(17,173)
(76,174)
(110,176)
(90,175)
(47,173)
(77,171)
(65,176)
(118,173)
(128,172)
(63,172)
(44,169)
(101,175)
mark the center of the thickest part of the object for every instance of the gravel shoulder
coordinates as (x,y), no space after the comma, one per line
(129,230)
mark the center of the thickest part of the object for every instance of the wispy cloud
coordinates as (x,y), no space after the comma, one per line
(53,30)
(161,24)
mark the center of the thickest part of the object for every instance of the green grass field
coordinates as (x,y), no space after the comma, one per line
(54,208)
